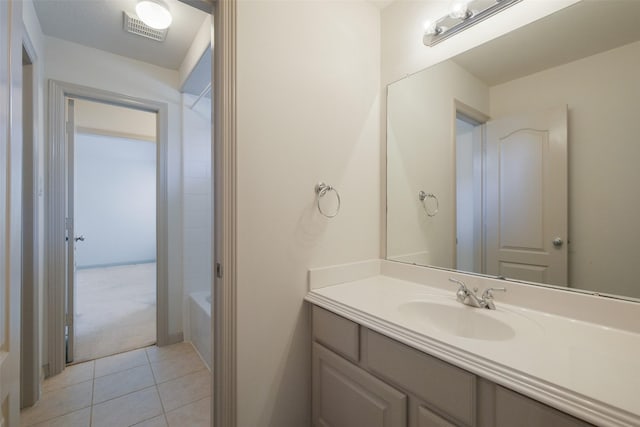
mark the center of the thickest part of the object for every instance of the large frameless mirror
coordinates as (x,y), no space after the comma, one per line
(520,158)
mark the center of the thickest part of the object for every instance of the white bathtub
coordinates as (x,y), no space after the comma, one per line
(200,321)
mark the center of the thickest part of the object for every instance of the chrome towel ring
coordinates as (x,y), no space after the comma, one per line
(321,190)
(423,196)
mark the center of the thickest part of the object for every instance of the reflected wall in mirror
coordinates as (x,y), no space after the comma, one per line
(530,148)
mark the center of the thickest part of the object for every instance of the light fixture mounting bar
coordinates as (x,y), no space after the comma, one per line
(451,26)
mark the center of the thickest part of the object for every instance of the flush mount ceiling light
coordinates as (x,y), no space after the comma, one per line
(154,13)
(462,15)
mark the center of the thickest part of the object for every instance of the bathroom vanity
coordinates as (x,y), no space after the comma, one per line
(363,378)
(395,348)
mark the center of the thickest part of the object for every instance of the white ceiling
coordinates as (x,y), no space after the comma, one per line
(99,24)
(581,30)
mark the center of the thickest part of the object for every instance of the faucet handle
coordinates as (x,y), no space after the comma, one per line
(463,292)
(488,293)
(460,283)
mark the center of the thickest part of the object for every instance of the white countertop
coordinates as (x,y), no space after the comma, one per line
(584,369)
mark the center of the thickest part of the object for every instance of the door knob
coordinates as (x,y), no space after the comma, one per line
(557,242)
(79,239)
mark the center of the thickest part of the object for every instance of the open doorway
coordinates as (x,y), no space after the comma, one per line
(468,168)
(61,209)
(112,276)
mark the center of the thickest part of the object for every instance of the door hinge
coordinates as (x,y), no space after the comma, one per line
(68,127)
(68,223)
(219,270)
(69,319)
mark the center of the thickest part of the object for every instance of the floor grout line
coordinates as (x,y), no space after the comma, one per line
(191,403)
(123,395)
(93,393)
(164,413)
(57,416)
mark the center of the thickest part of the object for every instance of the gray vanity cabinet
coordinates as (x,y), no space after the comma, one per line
(364,379)
(345,395)
(440,387)
(513,409)
(426,418)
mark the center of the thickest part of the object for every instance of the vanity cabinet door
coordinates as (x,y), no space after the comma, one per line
(426,418)
(513,409)
(449,390)
(345,395)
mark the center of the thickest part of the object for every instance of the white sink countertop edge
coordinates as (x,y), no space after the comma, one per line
(546,373)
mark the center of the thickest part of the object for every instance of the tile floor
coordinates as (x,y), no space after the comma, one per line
(149,387)
(115,310)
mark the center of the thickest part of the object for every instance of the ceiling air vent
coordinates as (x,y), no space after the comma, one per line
(135,26)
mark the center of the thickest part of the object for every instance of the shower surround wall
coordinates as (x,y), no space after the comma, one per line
(197,184)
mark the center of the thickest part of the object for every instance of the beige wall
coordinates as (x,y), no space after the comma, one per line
(602,96)
(115,120)
(420,156)
(308,110)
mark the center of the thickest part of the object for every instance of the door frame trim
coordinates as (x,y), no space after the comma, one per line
(55,169)
(30,332)
(460,108)
(224,161)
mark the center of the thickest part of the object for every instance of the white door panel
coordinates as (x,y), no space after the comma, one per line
(526,197)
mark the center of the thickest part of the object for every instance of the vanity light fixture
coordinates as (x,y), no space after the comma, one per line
(462,15)
(460,10)
(154,13)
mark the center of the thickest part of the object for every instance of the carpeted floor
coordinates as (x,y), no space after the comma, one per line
(115,310)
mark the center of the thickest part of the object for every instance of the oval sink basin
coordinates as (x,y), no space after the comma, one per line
(459,320)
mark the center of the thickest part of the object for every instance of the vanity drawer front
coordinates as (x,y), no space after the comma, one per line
(515,409)
(345,395)
(448,389)
(337,333)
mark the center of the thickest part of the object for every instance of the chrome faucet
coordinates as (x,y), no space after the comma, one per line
(468,297)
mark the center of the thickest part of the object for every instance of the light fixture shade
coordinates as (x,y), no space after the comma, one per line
(154,14)
(459,9)
(430,27)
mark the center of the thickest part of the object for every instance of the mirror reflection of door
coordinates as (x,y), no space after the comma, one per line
(111,229)
(468,194)
(511,196)
(526,197)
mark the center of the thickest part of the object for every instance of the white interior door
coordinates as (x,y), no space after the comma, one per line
(70,236)
(11,208)
(526,197)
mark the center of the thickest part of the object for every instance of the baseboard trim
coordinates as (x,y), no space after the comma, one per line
(174,338)
(116,264)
